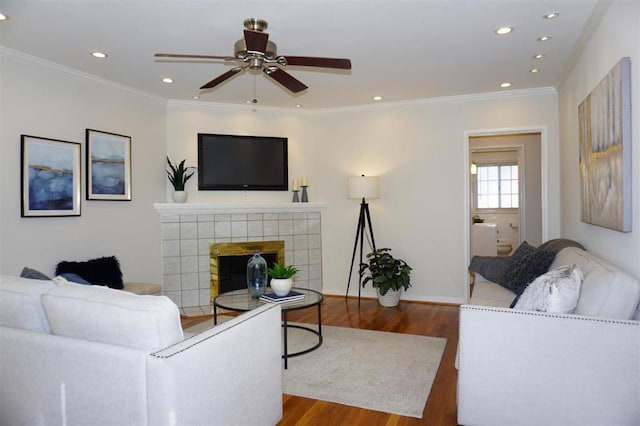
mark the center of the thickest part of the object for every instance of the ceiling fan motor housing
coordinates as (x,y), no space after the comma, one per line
(240,49)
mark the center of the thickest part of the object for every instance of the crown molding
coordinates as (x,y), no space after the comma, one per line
(5,51)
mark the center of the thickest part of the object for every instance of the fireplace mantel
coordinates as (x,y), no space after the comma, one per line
(220,208)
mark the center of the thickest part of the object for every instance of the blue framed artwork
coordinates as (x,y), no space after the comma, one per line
(108,166)
(50,177)
(605,150)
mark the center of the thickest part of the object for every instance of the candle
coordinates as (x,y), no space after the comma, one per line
(304,181)
(295,185)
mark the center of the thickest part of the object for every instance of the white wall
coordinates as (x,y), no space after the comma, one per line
(418,150)
(617,36)
(44,99)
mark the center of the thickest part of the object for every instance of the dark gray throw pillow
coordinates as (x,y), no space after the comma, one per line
(101,271)
(527,263)
(33,274)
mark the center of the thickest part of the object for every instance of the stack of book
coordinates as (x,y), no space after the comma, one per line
(293,296)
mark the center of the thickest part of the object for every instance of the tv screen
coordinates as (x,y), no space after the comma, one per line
(228,162)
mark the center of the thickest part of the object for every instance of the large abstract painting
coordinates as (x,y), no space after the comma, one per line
(50,177)
(108,166)
(605,150)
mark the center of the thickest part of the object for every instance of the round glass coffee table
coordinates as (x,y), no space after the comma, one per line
(240,301)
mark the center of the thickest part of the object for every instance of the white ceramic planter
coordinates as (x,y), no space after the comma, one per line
(389,300)
(180,196)
(281,286)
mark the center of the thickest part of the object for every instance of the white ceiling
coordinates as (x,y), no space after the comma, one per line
(402,50)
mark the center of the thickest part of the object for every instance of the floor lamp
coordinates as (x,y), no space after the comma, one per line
(362,187)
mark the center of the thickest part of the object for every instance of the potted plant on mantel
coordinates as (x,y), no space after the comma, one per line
(389,276)
(281,278)
(178,176)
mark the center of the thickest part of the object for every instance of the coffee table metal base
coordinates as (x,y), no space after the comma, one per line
(285,325)
(240,301)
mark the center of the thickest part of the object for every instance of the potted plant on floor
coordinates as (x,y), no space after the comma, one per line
(178,176)
(281,278)
(388,275)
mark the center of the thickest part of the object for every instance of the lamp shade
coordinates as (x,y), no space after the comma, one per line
(364,187)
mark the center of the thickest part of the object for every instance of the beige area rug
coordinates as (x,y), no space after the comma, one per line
(381,371)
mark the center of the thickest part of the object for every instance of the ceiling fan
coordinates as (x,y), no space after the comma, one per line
(256,52)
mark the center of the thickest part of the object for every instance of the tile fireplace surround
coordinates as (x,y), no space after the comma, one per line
(189,229)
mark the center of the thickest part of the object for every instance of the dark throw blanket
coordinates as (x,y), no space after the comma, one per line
(493,267)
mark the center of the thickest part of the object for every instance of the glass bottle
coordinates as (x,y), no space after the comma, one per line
(257,275)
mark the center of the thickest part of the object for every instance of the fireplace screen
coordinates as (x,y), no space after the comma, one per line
(228,262)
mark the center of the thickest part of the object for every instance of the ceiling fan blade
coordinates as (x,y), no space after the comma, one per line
(188,56)
(221,78)
(310,61)
(256,41)
(286,79)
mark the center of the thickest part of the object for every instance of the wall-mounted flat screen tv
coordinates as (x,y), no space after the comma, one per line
(255,163)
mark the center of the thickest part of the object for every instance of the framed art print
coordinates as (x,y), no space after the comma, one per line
(108,166)
(50,177)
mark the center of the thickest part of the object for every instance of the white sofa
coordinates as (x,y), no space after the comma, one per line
(535,368)
(72,354)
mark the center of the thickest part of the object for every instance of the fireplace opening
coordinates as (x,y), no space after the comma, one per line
(228,262)
(232,270)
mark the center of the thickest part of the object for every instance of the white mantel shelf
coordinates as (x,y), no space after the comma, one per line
(221,208)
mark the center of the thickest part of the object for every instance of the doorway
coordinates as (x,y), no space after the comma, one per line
(505,155)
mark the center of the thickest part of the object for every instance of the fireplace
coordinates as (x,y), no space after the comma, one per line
(228,262)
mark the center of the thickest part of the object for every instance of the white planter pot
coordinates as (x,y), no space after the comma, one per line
(389,300)
(180,196)
(281,286)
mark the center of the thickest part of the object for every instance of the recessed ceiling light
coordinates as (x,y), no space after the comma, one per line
(534,70)
(167,80)
(551,15)
(298,106)
(504,30)
(544,38)
(99,55)
(377,98)
(3,17)
(505,85)
(196,97)
(538,56)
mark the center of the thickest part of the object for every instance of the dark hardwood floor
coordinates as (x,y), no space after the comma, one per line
(410,317)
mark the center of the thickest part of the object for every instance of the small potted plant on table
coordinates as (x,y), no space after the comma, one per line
(281,278)
(178,176)
(389,276)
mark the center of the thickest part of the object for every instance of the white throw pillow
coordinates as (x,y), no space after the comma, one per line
(556,291)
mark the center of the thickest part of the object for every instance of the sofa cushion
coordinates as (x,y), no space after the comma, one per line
(111,316)
(557,291)
(20,305)
(100,271)
(527,263)
(606,291)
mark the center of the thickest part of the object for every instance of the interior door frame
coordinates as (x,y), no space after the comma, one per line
(544,177)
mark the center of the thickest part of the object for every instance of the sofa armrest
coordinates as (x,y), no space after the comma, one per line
(531,368)
(230,374)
